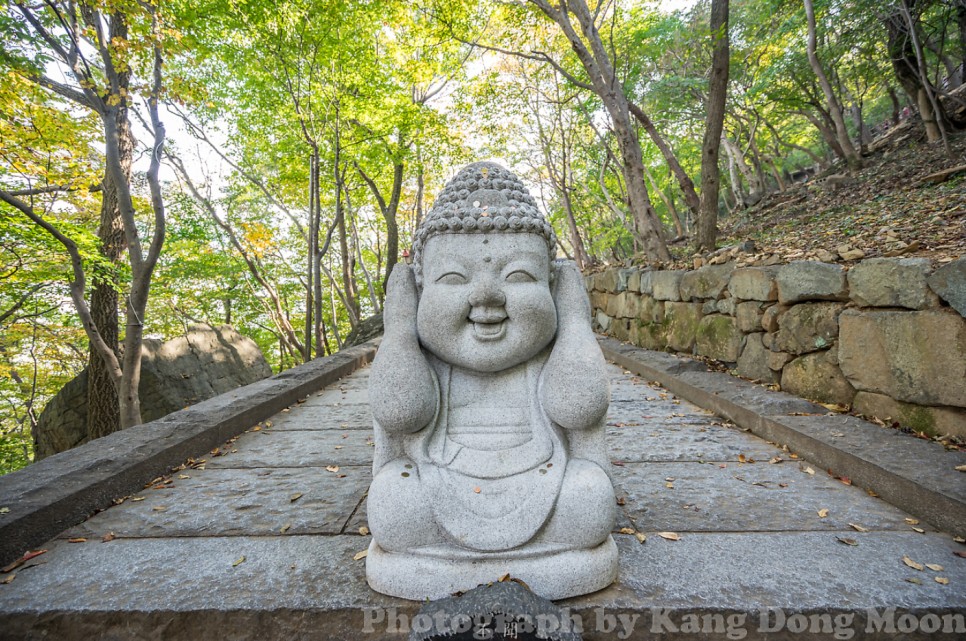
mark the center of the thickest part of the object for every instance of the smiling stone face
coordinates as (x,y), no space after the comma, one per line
(486,303)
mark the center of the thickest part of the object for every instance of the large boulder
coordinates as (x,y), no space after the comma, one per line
(949,282)
(915,357)
(707,282)
(804,280)
(205,362)
(665,285)
(817,377)
(748,315)
(754,283)
(718,337)
(624,305)
(681,322)
(365,331)
(607,280)
(753,362)
(892,282)
(935,421)
(808,327)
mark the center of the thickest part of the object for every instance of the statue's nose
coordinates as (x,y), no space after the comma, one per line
(486,294)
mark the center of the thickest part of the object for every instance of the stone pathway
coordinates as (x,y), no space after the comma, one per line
(258,541)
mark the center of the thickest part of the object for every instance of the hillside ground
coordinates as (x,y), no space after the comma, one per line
(888,208)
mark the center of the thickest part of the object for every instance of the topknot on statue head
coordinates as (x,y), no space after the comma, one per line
(482,198)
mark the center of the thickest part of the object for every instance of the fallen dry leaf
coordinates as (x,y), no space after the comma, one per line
(960,554)
(627,530)
(809,470)
(477,489)
(621,500)
(285,528)
(137,498)
(858,528)
(364,531)
(360,555)
(934,567)
(669,486)
(332,468)
(959,539)
(26,557)
(183,476)
(79,539)
(961,468)
(941,580)
(912,564)
(919,530)
(913,580)
(823,513)
(641,537)
(776,459)
(238,561)
(670,536)
(7,579)
(295,497)
(4,510)
(159,508)
(108,537)
(912,521)
(847,541)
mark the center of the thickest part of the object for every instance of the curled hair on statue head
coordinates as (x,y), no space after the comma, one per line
(483,198)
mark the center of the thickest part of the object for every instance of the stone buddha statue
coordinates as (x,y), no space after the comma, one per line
(488,394)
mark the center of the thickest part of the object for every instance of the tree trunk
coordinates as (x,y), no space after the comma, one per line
(895,106)
(599,68)
(317,321)
(827,134)
(901,45)
(103,407)
(311,252)
(348,277)
(931,103)
(835,109)
(684,181)
(392,226)
(735,178)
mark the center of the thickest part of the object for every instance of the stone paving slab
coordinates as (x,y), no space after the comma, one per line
(350,416)
(760,497)
(684,442)
(357,395)
(299,448)
(228,502)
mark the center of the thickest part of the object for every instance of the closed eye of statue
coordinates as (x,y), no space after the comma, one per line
(451,278)
(520,276)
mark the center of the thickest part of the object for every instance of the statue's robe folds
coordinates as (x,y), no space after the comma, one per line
(491,488)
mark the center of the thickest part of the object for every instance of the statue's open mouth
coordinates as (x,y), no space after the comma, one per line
(490,331)
(488,325)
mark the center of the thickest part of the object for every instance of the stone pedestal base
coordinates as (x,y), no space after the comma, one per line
(431,575)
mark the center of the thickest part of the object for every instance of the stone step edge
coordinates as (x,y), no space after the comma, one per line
(61,491)
(943,507)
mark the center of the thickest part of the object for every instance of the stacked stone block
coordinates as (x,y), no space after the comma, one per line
(887,337)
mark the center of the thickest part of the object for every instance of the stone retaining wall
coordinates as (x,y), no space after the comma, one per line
(887,336)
